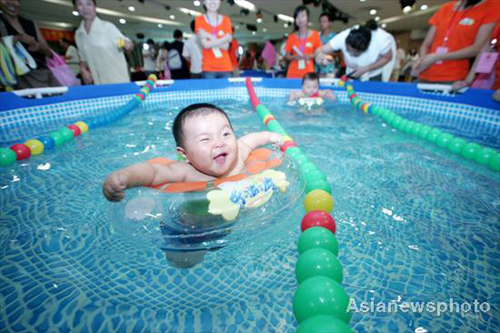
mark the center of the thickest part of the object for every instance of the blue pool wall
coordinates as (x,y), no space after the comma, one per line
(474,111)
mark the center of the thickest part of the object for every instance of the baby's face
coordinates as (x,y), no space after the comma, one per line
(210,144)
(310,87)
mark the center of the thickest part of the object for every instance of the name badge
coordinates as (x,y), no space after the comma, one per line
(217,52)
(487,62)
(441,50)
(302,64)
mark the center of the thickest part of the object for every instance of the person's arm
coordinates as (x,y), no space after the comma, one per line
(295,94)
(429,38)
(382,61)
(44,47)
(257,139)
(328,94)
(472,73)
(86,74)
(208,41)
(141,175)
(322,54)
(467,52)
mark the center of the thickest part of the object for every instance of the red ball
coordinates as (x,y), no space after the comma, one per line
(22,151)
(344,78)
(287,145)
(318,218)
(75,129)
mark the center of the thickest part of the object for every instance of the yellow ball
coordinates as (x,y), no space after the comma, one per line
(266,117)
(318,200)
(152,77)
(365,108)
(286,138)
(341,83)
(35,146)
(82,126)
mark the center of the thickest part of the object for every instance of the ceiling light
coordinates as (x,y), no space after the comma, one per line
(75,13)
(285,25)
(190,12)
(406,5)
(424,7)
(384,25)
(172,17)
(122,21)
(286,34)
(160,25)
(259,20)
(362,0)
(264,30)
(237,27)
(377,18)
(253,32)
(246,4)
(131,8)
(373,11)
(285,18)
(407,9)
(197,3)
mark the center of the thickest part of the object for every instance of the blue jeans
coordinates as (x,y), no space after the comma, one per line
(217,75)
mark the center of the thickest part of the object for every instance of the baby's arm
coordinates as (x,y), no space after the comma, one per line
(327,93)
(257,139)
(295,94)
(141,175)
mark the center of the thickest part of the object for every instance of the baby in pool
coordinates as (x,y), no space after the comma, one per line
(204,137)
(310,89)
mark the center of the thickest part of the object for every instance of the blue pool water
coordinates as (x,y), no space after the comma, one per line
(414,225)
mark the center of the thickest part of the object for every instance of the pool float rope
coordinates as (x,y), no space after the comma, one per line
(21,151)
(320,303)
(468,150)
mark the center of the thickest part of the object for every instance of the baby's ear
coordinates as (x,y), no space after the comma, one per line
(181,153)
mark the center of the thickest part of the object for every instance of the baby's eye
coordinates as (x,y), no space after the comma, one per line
(227,134)
(204,140)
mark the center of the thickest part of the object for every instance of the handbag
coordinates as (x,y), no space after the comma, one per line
(61,71)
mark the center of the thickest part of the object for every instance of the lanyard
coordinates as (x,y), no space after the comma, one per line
(303,41)
(214,29)
(452,24)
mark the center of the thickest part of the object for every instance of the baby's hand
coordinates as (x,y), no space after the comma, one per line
(276,139)
(114,186)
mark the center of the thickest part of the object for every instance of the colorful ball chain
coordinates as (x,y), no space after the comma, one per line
(320,304)
(21,151)
(468,150)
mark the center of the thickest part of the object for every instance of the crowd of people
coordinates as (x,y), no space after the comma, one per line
(459,32)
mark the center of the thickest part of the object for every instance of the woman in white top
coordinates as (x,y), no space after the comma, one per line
(411,59)
(101,46)
(369,52)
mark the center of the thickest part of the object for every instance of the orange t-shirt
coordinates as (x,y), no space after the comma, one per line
(233,48)
(210,62)
(463,27)
(309,45)
(496,34)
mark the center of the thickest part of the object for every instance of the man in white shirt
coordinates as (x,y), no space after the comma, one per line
(192,53)
(149,57)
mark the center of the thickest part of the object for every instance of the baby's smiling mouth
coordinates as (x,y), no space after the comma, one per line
(221,158)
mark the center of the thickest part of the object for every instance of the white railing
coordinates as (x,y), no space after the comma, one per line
(39,93)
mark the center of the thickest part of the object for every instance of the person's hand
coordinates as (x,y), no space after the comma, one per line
(496,95)
(128,45)
(33,45)
(114,186)
(358,72)
(276,139)
(87,76)
(457,85)
(427,61)
(322,58)
(415,69)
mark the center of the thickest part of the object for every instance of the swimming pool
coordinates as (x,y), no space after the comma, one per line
(415,224)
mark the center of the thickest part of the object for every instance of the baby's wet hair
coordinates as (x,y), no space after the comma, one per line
(310,77)
(199,109)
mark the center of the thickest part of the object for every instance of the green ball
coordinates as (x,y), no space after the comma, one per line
(308,167)
(484,155)
(293,151)
(433,135)
(321,295)
(7,156)
(375,110)
(390,118)
(402,124)
(444,140)
(318,262)
(301,159)
(318,237)
(66,133)
(456,145)
(470,150)
(315,175)
(424,131)
(396,121)
(318,184)
(57,137)
(494,163)
(416,129)
(408,127)
(323,324)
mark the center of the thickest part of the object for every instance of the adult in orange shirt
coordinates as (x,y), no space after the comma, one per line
(215,34)
(301,45)
(458,31)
